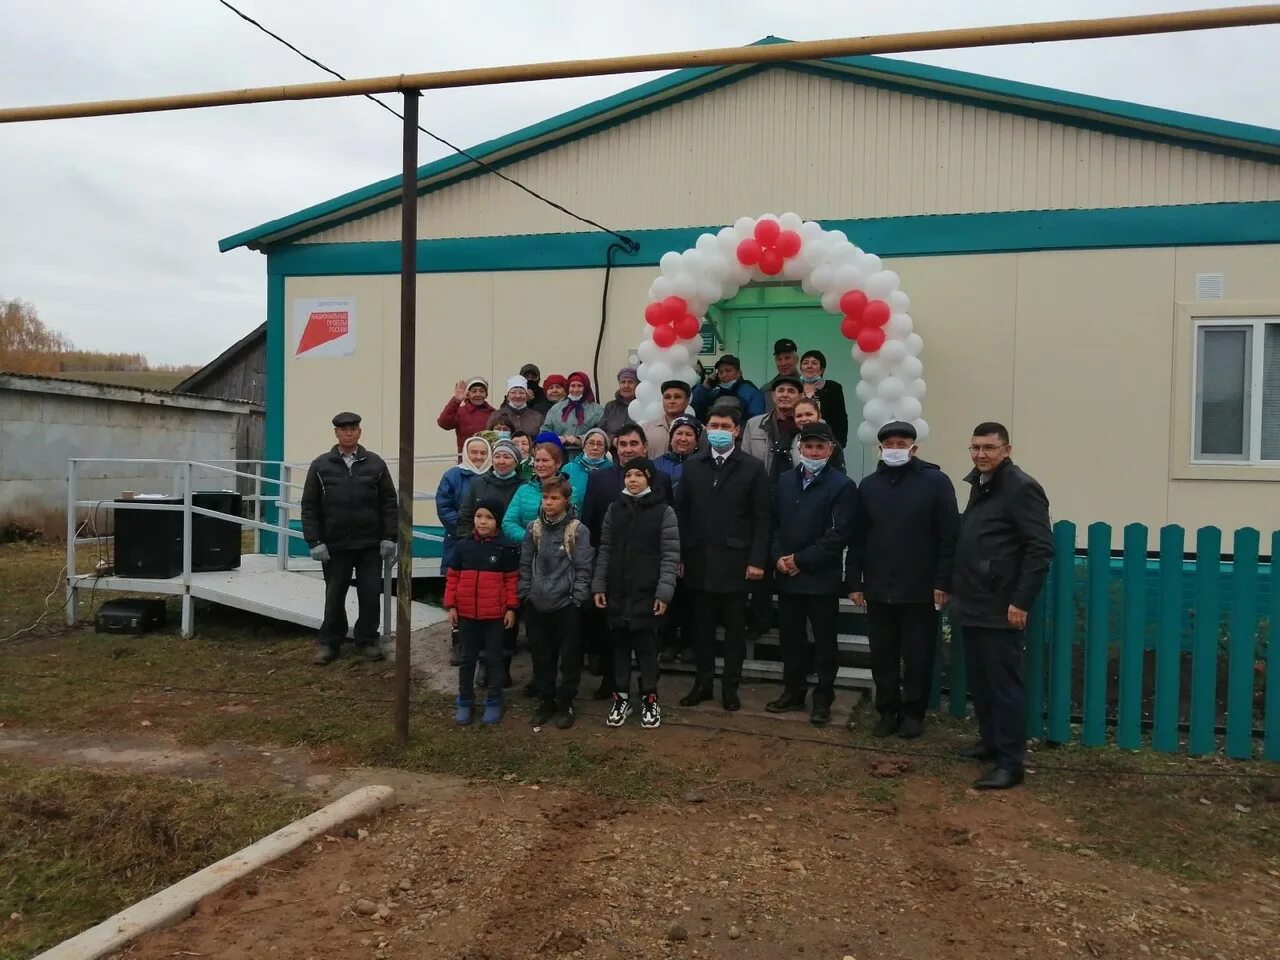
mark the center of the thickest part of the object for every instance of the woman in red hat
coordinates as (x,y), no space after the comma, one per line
(578,412)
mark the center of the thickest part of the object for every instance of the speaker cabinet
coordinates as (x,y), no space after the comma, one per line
(149,542)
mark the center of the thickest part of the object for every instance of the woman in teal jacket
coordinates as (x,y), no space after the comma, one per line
(523,509)
(594,455)
(577,413)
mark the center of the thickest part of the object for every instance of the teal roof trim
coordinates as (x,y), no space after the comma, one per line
(1252,141)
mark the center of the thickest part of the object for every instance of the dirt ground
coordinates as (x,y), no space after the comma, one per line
(907,865)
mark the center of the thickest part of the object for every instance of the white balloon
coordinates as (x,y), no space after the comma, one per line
(745,227)
(790,221)
(874,369)
(693,262)
(677,355)
(636,408)
(810,230)
(914,344)
(917,388)
(891,388)
(867,432)
(684,286)
(922,428)
(876,411)
(892,351)
(909,368)
(693,345)
(882,283)
(837,236)
(907,408)
(687,374)
(898,302)
(865,390)
(767,216)
(843,253)
(647,351)
(795,268)
(847,278)
(718,267)
(823,277)
(670,263)
(806,284)
(660,289)
(706,245)
(869,263)
(858,356)
(831,302)
(899,326)
(727,239)
(657,372)
(647,391)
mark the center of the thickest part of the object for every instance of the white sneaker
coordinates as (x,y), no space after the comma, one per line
(650,713)
(620,710)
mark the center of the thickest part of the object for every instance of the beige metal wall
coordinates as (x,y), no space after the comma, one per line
(1084,355)
(786,140)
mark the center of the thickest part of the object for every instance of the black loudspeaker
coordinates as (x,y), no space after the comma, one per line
(215,544)
(148,543)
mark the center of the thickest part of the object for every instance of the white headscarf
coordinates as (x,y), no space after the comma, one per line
(488,456)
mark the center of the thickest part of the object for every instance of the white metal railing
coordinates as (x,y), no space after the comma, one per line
(182,475)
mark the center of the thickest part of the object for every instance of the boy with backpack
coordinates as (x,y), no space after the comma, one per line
(555,578)
(634,582)
(480,595)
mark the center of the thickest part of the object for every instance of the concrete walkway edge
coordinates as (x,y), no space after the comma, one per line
(178,901)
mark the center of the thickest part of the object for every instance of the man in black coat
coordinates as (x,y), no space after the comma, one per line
(1002,556)
(604,486)
(813,513)
(899,567)
(349,520)
(723,510)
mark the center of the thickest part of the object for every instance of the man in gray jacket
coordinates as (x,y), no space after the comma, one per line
(555,578)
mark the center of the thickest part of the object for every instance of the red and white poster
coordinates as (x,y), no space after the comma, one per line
(324,328)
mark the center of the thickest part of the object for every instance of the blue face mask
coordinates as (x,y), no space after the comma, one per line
(595,461)
(807,379)
(720,439)
(504,434)
(813,464)
(727,384)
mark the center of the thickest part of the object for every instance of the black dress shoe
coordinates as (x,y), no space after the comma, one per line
(699,694)
(325,654)
(910,728)
(979,751)
(729,699)
(998,778)
(820,715)
(886,726)
(788,701)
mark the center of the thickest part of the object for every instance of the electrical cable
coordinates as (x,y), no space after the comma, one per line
(630,245)
(604,308)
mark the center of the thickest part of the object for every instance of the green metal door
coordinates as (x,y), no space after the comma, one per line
(760,315)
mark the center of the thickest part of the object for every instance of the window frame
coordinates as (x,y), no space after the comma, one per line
(1256,344)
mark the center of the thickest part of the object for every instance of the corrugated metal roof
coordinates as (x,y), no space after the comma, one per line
(41,383)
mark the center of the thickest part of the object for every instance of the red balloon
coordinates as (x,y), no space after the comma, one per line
(687,326)
(771,262)
(673,308)
(788,243)
(653,314)
(870,339)
(767,232)
(850,327)
(748,252)
(665,336)
(852,303)
(876,314)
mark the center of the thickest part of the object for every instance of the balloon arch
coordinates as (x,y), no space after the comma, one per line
(853,285)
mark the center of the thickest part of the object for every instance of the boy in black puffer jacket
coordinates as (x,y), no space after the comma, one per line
(634,582)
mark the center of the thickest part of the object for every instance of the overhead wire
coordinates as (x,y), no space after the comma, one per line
(629,244)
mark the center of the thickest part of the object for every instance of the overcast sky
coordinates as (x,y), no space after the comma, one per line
(110,225)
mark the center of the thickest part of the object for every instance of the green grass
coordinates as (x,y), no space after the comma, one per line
(76,847)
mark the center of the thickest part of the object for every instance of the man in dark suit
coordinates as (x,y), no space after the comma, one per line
(604,486)
(1002,555)
(723,509)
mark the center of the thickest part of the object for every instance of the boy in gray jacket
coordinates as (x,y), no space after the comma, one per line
(555,579)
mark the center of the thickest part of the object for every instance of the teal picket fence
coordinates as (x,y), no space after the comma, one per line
(1166,642)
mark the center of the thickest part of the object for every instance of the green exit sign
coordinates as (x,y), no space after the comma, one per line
(708,335)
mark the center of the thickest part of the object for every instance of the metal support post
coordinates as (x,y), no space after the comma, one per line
(408,346)
(188,626)
(257,506)
(282,516)
(72,470)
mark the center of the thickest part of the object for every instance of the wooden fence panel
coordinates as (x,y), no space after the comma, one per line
(1204,649)
(1064,574)
(1132,641)
(1242,644)
(1164,736)
(1271,699)
(1096,640)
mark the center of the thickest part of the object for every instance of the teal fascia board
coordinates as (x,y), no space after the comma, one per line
(1060,105)
(273,427)
(1206,224)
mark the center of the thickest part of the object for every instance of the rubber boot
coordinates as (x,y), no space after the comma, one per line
(465,709)
(492,710)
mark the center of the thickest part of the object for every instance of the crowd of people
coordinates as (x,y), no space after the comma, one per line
(610,539)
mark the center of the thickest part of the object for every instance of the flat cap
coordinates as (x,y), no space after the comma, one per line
(817,431)
(346,419)
(896,428)
(728,360)
(790,378)
(785,345)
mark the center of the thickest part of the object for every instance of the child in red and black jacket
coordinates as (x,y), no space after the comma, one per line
(481,596)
